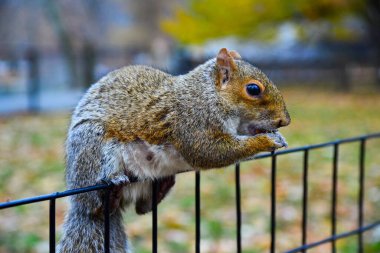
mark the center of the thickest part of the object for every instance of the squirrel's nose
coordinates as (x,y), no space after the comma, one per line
(283,121)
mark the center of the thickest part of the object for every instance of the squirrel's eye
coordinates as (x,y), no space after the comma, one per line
(253,89)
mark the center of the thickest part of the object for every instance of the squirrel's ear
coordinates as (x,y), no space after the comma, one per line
(235,54)
(225,64)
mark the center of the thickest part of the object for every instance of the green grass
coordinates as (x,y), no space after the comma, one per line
(32,163)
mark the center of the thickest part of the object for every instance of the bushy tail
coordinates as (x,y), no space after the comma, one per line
(84,233)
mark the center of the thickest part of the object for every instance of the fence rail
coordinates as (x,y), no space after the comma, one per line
(304,245)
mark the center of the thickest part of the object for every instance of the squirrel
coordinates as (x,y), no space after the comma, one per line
(141,124)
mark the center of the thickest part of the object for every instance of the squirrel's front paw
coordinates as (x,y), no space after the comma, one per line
(276,140)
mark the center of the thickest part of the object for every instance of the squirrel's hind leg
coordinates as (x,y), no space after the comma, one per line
(144,202)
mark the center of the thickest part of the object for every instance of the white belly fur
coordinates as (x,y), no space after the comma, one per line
(146,161)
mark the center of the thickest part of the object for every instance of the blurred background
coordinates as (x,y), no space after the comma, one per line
(324,55)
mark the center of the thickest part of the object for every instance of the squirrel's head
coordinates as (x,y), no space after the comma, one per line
(257,101)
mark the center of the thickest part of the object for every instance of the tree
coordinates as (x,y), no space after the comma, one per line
(77,25)
(65,40)
(371,14)
(209,19)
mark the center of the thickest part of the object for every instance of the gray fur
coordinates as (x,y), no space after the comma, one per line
(138,121)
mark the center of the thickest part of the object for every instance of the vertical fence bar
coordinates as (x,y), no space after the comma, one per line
(197,212)
(52,226)
(361,194)
(106,210)
(305,195)
(334,196)
(273,206)
(238,208)
(154,215)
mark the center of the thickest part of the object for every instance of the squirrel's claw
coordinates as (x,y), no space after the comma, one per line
(120,180)
(116,180)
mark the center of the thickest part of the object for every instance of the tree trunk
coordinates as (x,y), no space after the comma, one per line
(372,17)
(64,40)
(34,88)
(89,62)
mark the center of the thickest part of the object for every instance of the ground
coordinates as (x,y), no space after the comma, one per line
(32,163)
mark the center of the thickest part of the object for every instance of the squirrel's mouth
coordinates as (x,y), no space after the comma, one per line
(253,130)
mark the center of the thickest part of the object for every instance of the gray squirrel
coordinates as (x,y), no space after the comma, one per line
(139,122)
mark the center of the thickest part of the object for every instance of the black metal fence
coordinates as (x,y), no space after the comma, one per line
(304,246)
